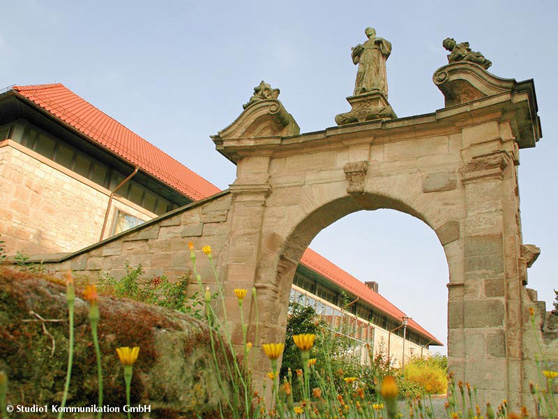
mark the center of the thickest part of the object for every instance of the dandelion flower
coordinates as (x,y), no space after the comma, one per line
(550,374)
(304,342)
(270,375)
(317,392)
(389,388)
(273,350)
(90,294)
(207,250)
(350,380)
(312,362)
(127,355)
(248,346)
(240,294)
(299,410)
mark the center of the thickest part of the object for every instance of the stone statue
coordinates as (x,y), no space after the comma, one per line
(462,52)
(371,59)
(262,92)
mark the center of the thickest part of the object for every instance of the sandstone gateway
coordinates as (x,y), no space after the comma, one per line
(455,169)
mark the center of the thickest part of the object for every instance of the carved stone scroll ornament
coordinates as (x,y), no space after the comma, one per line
(261,125)
(262,92)
(356,175)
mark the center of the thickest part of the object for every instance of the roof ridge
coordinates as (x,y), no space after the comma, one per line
(115,136)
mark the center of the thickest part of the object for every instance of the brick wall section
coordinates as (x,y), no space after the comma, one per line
(159,245)
(37,197)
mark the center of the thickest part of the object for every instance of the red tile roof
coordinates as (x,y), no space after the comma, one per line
(348,282)
(68,107)
(65,105)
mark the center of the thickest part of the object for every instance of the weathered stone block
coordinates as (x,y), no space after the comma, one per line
(223,203)
(484,253)
(448,232)
(480,133)
(169,232)
(195,230)
(455,314)
(418,147)
(494,287)
(94,264)
(180,259)
(496,344)
(170,221)
(148,233)
(475,343)
(79,263)
(214,216)
(137,246)
(439,181)
(483,313)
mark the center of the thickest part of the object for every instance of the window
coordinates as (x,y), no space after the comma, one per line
(124,222)
(5,132)
(327,295)
(64,155)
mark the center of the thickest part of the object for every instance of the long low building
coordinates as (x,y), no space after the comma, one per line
(72,176)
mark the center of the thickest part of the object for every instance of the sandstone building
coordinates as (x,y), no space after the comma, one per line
(72,176)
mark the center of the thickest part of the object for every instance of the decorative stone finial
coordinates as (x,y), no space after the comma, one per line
(262,92)
(369,100)
(462,52)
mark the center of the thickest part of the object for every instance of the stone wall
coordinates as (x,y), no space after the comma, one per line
(159,245)
(37,195)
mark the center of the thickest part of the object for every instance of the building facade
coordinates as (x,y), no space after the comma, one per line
(72,176)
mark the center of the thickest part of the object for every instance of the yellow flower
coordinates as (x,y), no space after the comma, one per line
(127,355)
(299,410)
(190,246)
(207,250)
(273,350)
(304,342)
(270,375)
(550,374)
(312,362)
(378,406)
(350,380)
(240,294)
(248,346)
(389,388)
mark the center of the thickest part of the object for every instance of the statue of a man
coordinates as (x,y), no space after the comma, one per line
(371,58)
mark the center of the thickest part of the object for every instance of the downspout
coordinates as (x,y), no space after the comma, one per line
(110,200)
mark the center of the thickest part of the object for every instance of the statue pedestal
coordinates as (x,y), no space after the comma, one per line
(366,107)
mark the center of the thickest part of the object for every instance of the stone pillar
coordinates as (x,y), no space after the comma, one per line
(491,358)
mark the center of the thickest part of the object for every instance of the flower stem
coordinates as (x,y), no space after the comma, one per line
(94,323)
(128,370)
(70,356)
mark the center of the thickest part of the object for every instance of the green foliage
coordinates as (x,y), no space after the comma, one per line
(555,303)
(22,261)
(3,254)
(302,319)
(157,290)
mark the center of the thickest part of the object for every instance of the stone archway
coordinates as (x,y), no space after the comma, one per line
(455,169)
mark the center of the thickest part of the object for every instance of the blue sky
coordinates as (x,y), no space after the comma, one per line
(176,72)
